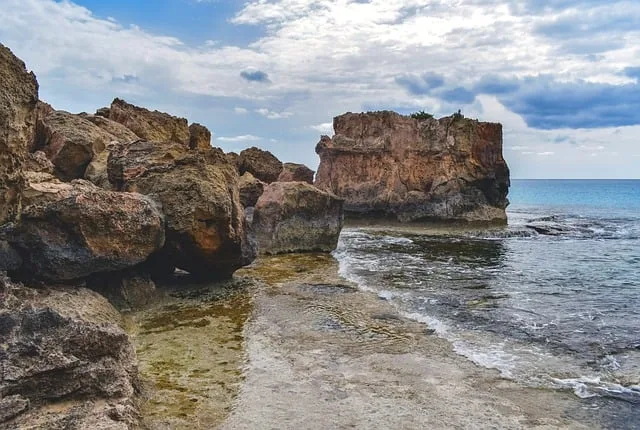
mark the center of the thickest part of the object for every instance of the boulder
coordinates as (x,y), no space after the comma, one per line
(296,217)
(39,163)
(293,172)
(71,230)
(386,164)
(63,347)
(232,158)
(199,195)
(251,189)
(121,133)
(9,257)
(199,137)
(126,290)
(70,142)
(18,99)
(260,163)
(149,125)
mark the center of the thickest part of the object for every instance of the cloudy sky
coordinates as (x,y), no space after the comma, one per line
(563,76)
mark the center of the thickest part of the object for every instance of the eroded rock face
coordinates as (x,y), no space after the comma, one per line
(251,189)
(62,344)
(18,99)
(387,164)
(293,172)
(149,125)
(71,230)
(296,217)
(126,290)
(260,163)
(198,191)
(200,137)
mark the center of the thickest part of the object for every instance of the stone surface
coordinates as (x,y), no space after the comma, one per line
(296,217)
(200,137)
(386,164)
(293,172)
(122,133)
(71,230)
(260,163)
(70,142)
(149,125)
(9,257)
(64,349)
(18,99)
(39,163)
(232,158)
(126,290)
(198,191)
(251,189)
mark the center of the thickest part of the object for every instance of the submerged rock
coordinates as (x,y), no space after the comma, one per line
(251,189)
(149,125)
(18,99)
(260,163)
(71,230)
(200,137)
(296,217)
(293,172)
(199,195)
(383,163)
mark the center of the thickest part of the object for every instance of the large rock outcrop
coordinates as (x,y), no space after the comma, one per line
(18,99)
(71,230)
(293,172)
(260,163)
(296,217)
(149,125)
(200,137)
(251,188)
(66,361)
(199,195)
(386,164)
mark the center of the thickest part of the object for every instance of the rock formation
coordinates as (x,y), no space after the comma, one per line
(200,137)
(296,217)
(386,164)
(149,125)
(71,230)
(260,163)
(293,172)
(251,189)
(199,196)
(126,290)
(18,99)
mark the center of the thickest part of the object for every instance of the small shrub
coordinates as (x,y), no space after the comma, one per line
(421,115)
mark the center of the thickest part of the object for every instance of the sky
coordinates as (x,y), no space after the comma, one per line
(562,76)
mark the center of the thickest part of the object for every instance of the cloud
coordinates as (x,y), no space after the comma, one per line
(420,84)
(632,72)
(325,127)
(241,138)
(240,110)
(255,76)
(272,114)
(457,95)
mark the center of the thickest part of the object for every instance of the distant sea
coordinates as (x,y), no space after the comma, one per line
(551,300)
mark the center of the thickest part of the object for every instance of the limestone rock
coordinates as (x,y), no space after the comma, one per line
(293,172)
(200,137)
(71,230)
(232,158)
(9,257)
(149,125)
(261,164)
(39,163)
(296,217)
(386,164)
(121,133)
(199,195)
(126,290)
(61,345)
(251,189)
(18,99)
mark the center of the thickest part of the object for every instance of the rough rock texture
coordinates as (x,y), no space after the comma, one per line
(199,195)
(149,125)
(126,290)
(387,164)
(260,163)
(232,158)
(200,137)
(9,257)
(251,189)
(39,163)
(70,142)
(122,133)
(293,172)
(71,230)
(61,345)
(18,99)
(296,217)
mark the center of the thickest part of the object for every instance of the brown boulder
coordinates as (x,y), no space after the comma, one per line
(121,133)
(149,125)
(71,230)
(200,137)
(296,217)
(126,290)
(293,172)
(260,163)
(199,195)
(251,189)
(386,164)
(232,158)
(39,163)
(18,99)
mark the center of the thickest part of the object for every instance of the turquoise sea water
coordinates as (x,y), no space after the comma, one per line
(551,300)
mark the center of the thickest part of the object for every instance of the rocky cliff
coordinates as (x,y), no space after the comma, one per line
(386,164)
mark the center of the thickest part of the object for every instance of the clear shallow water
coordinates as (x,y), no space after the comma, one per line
(553,299)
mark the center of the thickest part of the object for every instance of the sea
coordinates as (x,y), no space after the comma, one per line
(551,300)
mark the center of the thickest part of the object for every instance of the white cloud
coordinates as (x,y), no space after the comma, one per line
(273,114)
(241,138)
(240,110)
(325,127)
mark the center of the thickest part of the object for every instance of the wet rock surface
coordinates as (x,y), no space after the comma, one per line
(386,164)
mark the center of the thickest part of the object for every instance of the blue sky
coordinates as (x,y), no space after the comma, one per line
(563,76)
